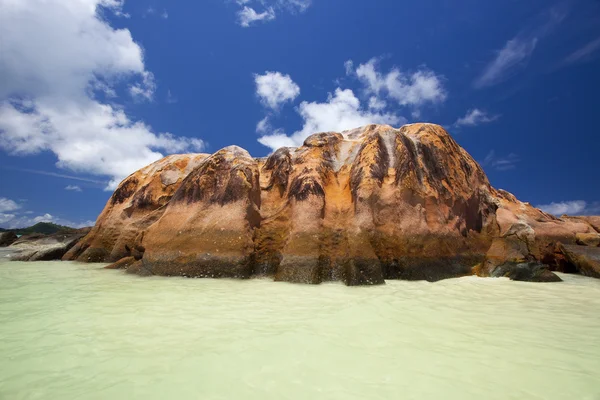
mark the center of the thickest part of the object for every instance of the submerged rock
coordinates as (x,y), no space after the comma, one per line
(359,207)
(528,272)
(38,247)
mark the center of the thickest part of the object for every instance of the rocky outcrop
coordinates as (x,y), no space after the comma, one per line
(585,259)
(137,203)
(38,247)
(359,207)
(7,238)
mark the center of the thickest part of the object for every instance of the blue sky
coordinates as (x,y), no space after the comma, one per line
(91,90)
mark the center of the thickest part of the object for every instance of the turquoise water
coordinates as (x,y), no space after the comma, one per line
(76,331)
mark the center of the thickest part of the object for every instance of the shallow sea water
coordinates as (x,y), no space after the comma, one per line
(76,331)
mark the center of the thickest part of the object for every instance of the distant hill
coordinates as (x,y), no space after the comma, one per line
(47,228)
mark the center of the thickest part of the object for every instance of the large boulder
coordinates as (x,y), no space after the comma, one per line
(359,206)
(38,247)
(7,238)
(586,259)
(207,228)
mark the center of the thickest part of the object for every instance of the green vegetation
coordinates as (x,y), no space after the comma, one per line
(47,228)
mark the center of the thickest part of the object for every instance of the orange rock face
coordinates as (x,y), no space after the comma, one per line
(359,206)
(138,202)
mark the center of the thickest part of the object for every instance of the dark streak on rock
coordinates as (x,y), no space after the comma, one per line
(382,160)
(302,187)
(280,163)
(124,191)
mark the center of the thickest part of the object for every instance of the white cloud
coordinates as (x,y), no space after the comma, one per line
(341,111)
(248,16)
(407,89)
(73,188)
(475,117)
(584,52)
(500,163)
(516,52)
(565,207)
(8,205)
(274,89)
(53,55)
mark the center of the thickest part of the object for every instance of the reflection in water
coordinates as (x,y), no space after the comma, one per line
(76,331)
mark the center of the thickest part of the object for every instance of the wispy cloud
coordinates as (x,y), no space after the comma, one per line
(58,175)
(151,11)
(515,54)
(475,117)
(573,207)
(249,14)
(73,188)
(500,163)
(584,52)
(171,99)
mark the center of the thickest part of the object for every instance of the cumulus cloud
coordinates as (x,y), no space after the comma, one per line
(274,89)
(475,117)
(341,111)
(55,57)
(517,51)
(500,163)
(407,89)
(73,188)
(8,205)
(575,207)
